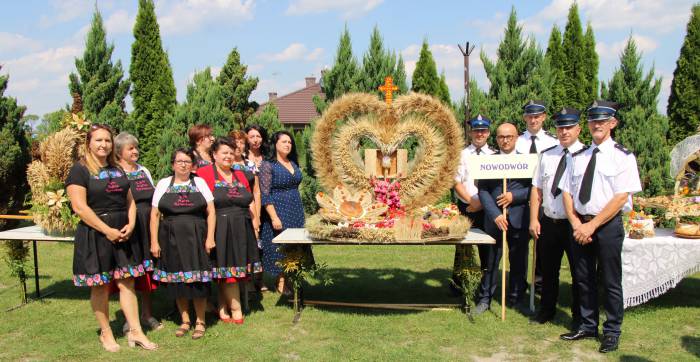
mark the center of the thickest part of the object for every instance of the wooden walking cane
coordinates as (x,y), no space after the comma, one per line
(504,258)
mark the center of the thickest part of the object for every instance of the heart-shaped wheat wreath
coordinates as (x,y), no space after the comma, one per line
(357,116)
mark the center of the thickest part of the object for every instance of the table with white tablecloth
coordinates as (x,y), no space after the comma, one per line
(652,266)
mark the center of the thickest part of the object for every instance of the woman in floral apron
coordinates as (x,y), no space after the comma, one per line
(235,257)
(183,239)
(104,248)
(126,148)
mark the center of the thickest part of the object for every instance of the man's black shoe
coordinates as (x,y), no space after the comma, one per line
(609,344)
(575,336)
(542,318)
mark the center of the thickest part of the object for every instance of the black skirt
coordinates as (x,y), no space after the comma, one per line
(236,254)
(183,258)
(142,234)
(97,261)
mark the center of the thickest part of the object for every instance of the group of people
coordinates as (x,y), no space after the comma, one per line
(211,222)
(573,205)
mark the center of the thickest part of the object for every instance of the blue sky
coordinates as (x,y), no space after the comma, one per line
(284,41)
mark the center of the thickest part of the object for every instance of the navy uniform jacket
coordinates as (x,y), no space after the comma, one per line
(519,210)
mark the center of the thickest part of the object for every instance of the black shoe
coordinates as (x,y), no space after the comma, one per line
(542,317)
(481,308)
(523,308)
(575,336)
(609,344)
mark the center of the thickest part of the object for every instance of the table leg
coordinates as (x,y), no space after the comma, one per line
(298,303)
(36,271)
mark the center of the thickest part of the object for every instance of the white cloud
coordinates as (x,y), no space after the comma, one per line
(119,22)
(41,78)
(295,51)
(10,42)
(613,51)
(63,11)
(448,58)
(190,15)
(347,8)
(660,15)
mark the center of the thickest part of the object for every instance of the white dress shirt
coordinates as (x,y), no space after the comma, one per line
(615,172)
(544,178)
(543,141)
(463,175)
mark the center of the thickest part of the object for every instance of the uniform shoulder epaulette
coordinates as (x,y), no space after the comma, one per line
(549,148)
(622,148)
(585,147)
(550,134)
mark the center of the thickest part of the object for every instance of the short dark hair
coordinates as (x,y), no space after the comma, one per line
(221,141)
(186,151)
(273,146)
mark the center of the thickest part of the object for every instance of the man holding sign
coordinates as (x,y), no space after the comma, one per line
(514,223)
(552,231)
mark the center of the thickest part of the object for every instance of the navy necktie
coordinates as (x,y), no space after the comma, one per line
(533,147)
(559,173)
(584,194)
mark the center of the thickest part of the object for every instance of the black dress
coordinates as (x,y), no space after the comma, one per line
(184,264)
(96,260)
(236,254)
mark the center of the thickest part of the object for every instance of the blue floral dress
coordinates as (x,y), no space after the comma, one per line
(280,188)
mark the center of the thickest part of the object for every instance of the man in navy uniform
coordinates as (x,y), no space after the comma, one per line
(534,140)
(610,170)
(552,229)
(515,223)
(467,194)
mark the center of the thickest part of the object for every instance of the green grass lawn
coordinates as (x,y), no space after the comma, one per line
(62,326)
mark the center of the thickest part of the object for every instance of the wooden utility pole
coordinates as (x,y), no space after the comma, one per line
(466,52)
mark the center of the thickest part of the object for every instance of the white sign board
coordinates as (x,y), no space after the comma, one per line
(515,165)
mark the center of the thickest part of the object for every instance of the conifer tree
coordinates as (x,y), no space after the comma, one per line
(591,64)
(268,118)
(684,100)
(444,94)
(555,56)
(153,91)
(343,77)
(400,76)
(575,63)
(425,77)
(641,128)
(14,152)
(377,64)
(98,82)
(237,87)
(514,75)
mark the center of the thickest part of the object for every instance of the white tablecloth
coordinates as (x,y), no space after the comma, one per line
(652,266)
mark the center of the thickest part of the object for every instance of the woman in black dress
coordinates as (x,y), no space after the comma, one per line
(103,250)
(235,257)
(183,239)
(126,148)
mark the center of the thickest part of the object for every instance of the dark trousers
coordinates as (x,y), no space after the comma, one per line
(518,243)
(601,256)
(477,219)
(556,239)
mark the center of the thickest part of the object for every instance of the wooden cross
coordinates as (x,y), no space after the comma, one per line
(388,88)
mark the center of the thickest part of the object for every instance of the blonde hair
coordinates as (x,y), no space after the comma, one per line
(89,160)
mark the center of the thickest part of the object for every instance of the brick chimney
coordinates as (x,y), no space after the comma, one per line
(271,96)
(310,81)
